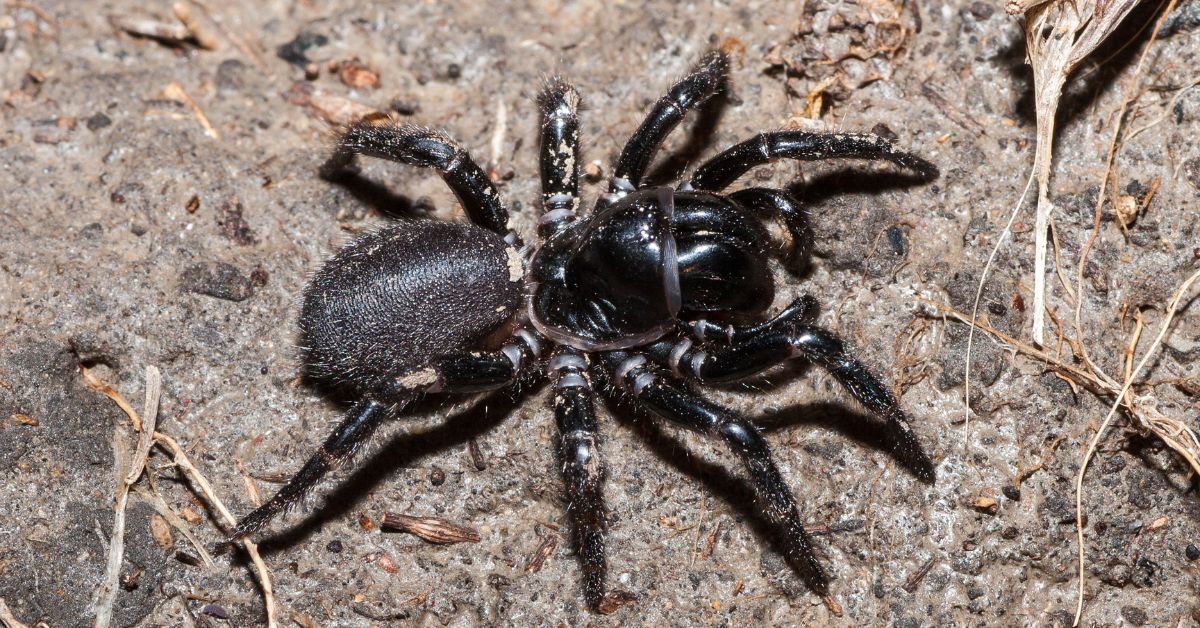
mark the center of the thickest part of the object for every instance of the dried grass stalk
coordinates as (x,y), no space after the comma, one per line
(1058,34)
(1175,433)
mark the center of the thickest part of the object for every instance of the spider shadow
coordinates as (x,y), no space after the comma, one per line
(670,167)
(735,490)
(401,450)
(852,180)
(372,194)
(849,421)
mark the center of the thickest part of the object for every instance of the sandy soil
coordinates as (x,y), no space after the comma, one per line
(160,205)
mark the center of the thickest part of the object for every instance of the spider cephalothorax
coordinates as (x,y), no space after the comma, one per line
(653,292)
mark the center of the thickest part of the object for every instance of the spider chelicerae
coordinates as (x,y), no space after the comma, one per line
(653,293)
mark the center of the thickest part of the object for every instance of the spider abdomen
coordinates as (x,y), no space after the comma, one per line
(395,298)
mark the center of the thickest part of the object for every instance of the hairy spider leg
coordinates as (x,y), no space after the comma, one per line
(339,446)
(779,203)
(582,469)
(723,169)
(558,155)
(425,148)
(756,353)
(705,79)
(453,373)
(660,395)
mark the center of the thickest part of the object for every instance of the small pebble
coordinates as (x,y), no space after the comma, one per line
(1134,615)
(215,610)
(1192,551)
(334,546)
(884,131)
(97,122)
(294,51)
(437,477)
(218,280)
(593,171)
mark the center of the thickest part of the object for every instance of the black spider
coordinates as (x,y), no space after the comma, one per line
(653,289)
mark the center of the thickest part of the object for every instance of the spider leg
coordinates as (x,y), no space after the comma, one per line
(559,155)
(802,310)
(692,91)
(424,148)
(660,395)
(779,203)
(717,173)
(453,373)
(583,473)
(757,353)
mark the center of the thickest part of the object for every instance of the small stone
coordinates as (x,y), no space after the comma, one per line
(354,73)
(294,51)
(405,107)
(231,75)
(981,10)
(215,610)
(334,546)
(258,277)
(885,131)
(1192,552)
(1012,492)
(218,280)
(437,477)
(986,505)
(1191,171)
(387,564)
(97,122)
(1134,615)
(895,237)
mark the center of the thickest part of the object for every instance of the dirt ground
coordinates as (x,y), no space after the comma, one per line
(160,206)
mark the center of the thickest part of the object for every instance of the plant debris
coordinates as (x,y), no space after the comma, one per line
(1059,34)
(431,529)
(839,47)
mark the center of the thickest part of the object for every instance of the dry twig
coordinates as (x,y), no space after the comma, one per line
(174,91)
(183,462)
(106,593)
(7,618)
(1176,434)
